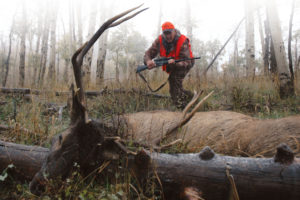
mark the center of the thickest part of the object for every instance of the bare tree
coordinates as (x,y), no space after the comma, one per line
(87,62)
(290,42)
(286,87)
(250,47)
(159,22)
(102,51)
(51,72)
(263,43)
(23,46)
(189,24)
(235,57)
(7,61)
(39,29)
(44,50)
(79,23)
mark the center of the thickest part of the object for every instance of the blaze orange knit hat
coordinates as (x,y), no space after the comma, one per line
(167,27)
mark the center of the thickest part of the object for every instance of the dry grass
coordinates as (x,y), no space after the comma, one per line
(258,99)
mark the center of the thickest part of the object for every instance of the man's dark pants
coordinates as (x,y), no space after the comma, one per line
(180,97)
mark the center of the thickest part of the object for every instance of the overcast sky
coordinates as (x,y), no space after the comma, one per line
(212,18)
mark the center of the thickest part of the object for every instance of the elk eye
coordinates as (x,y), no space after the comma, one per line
(60,139)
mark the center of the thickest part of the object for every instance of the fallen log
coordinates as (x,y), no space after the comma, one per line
(213,176)
(91,93)
(221,177)
(27,160)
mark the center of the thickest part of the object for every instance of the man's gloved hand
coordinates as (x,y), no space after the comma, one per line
(150,64)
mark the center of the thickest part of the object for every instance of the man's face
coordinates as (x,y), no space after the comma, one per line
(169,35)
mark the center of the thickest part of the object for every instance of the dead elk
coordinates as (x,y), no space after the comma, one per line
(89,142)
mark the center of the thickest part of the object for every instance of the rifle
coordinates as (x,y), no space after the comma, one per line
(162,61)
(159,62)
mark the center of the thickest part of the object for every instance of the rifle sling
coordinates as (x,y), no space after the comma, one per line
(157,89)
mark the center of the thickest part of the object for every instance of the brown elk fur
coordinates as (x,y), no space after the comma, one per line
(226,132)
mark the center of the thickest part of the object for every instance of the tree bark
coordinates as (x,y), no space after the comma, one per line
(87,62)
(286,87)
(44,51)
(290,43)
(51,72)
(22,48)
(79,19)
(250,47)
(216,176)
(40,17)
(7,62)
(102,50)
(157,72)
(263,45)
(267,48)
(235,58)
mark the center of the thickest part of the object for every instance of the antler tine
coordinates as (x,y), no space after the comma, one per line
(199,104)
(77,57)
(127,18)
(99,32)
(192,102)
(183,121)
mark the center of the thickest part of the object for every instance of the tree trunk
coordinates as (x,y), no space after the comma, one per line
(296,67)
(286,87)
(157,72)
(87,61)
(27,160)
(102,49)
(221,177)
(267,48)
(66,70)
(117,68)
(79,19)
(235,58)
(44,50)
(250,47)
(263,45)
(189,23)
(101,60)
(290,43)
(23,47)
(8,56)
(51,72)
(36,64)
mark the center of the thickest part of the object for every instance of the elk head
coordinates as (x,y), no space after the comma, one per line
(84,142)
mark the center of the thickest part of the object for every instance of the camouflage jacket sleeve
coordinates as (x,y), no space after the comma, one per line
(152,52)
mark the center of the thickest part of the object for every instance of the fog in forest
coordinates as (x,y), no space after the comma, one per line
(208,24)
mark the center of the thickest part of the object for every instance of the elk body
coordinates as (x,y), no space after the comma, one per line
(226,132)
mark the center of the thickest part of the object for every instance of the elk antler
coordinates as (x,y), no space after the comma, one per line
(77,58)
(185,118)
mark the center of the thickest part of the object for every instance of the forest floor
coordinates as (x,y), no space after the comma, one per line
(258,99)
